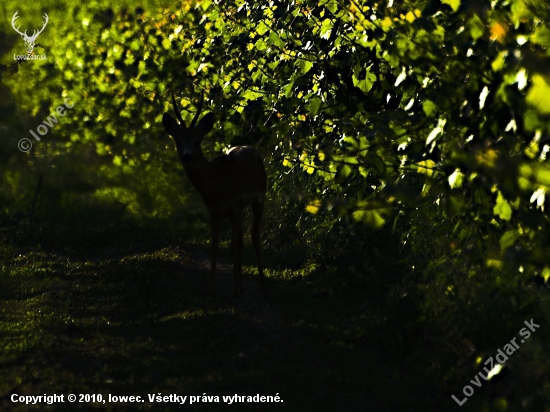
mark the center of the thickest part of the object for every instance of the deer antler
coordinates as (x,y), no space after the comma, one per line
(198,111)
(178,114)
(14,18)
(36,33)
(26,37)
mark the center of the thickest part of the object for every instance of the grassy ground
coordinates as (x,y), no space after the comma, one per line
(124,311)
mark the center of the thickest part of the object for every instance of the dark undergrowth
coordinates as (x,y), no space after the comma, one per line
(123,309)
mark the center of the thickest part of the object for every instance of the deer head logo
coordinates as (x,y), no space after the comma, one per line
(29,40)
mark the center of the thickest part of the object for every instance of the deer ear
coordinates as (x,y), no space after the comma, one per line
(206,124)
(170,125)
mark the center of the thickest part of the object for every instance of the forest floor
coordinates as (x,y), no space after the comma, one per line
(129,314)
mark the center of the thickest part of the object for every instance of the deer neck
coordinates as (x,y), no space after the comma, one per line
(199,173)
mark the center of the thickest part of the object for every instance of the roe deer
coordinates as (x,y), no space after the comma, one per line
(227,184)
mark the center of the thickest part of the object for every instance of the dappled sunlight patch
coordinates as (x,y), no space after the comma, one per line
(293,274)
(121,195)
(194,314)
(539,94)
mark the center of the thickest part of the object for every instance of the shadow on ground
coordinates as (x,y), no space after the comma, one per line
(134,318)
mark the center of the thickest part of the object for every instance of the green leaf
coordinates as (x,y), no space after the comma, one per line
(365,84)
(541,36)
(314,105)
(455,180)
(262,28)
(456,203)
(345,170)
(455,4)
(536,173)
(429,107)
(376,162)
(502,208)
(313,206)
(371,214)
(256,75)
(477,27)
(260,45)
(331,5)
(508,239)
(287,89)
(326,28)
(304,65)
(275,40)
(539,94)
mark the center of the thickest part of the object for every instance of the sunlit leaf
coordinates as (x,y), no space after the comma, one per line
(487,158)
(326,28)
(494,263)
(539,94)
(436,131)
(502,208)
(455,179)
(427,167)
(314,105)
(287,89)
(262,28)
(345,170)
(372,216)
(477,27)
(313,206)
(365,84)
(455,4)
(508,239)
(304,65)
(499,30)
(429,107)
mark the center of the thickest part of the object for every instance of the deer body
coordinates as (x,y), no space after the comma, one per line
(227,184)
(232,180)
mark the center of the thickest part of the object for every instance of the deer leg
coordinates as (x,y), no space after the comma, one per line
(240,255)
(257,212)
(215,226)
(236,243)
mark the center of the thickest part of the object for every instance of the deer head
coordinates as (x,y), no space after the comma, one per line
(188,139)
(29,40)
